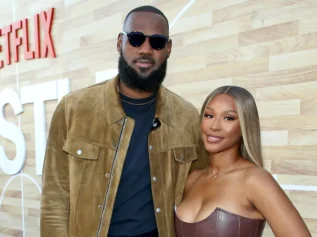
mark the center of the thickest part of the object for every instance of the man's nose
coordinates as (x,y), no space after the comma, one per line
(146,47)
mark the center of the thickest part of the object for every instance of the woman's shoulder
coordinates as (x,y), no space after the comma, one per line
(255,171)
(255,175)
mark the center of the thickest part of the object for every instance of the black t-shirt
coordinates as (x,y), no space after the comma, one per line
(133,212)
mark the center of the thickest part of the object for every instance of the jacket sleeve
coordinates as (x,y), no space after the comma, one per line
(55,179)
(202,155)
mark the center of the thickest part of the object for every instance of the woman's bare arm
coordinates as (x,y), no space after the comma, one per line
(271,201)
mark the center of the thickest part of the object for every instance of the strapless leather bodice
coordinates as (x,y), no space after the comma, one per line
(220,223)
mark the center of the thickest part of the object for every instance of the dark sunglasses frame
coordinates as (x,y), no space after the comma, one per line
(151,37)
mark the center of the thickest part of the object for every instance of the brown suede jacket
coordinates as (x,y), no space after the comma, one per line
(87,144)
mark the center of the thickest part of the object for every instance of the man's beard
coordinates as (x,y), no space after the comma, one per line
(141,82)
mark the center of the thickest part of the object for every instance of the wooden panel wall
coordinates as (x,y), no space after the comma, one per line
(266,46)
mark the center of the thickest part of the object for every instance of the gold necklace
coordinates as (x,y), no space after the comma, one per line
(135,103)
(138,104)
(226,171)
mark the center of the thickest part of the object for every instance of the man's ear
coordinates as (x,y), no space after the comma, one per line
(119,42)
(169,48)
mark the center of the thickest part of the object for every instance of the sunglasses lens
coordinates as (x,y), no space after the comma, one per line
(136,39)
(158,41)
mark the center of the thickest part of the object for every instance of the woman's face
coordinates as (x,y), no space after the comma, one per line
(220,126)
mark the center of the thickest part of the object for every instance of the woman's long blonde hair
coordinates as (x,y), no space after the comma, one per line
(251,147)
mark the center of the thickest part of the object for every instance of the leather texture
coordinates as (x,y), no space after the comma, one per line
(220,223)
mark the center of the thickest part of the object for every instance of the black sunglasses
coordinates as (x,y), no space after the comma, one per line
(136,39)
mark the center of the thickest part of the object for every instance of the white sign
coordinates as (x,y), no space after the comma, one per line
(12,133)
(36,94)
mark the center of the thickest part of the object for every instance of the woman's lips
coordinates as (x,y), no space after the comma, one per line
(214,139)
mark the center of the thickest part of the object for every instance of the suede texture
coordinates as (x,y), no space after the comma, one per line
(86,148)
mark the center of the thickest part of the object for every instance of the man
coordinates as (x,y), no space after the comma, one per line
(119,152)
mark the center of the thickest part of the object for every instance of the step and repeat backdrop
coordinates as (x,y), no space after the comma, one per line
(50,48)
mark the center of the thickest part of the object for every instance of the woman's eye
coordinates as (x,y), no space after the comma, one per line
(208,115)
(229,118)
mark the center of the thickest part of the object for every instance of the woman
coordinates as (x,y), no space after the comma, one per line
(235,196)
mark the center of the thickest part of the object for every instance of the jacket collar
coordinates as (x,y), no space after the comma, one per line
(114,111)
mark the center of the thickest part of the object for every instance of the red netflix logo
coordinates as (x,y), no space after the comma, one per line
(43,20)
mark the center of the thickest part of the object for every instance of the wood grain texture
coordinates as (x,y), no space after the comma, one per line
(267,46)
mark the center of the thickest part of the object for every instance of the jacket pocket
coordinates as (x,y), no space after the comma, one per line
(185,154)
(84,162)
(81,149)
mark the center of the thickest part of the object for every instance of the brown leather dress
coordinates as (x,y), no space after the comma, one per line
(220,223)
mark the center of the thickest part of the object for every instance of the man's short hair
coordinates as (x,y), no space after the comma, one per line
(147,8)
